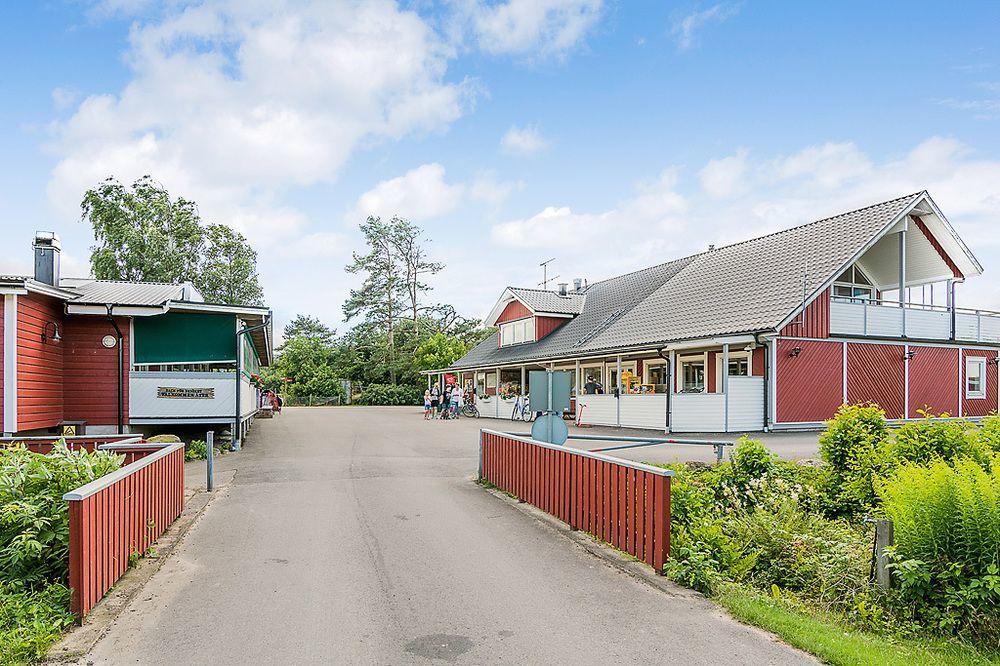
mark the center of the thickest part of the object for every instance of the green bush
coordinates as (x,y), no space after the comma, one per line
(921,442)
(387,394)
(946,519)
(852,448)
(34,521)
(197,449)
(988,436)
(31,621)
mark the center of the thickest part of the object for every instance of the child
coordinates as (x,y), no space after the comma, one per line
(427,405)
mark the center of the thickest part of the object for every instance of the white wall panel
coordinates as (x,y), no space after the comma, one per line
(746,404)
(697,412)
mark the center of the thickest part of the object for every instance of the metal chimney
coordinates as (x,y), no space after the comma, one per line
(47,250)
(577,284)
(562,288)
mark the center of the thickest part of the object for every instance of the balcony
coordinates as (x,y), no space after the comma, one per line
(886,319)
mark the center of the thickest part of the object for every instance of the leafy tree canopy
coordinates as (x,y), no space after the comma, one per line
(143,235)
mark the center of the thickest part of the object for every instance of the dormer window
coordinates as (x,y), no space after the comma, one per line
(517,332)
(853,286)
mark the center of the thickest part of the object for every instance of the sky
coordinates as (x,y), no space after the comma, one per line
(607,135)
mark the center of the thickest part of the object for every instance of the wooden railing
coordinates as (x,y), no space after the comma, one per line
(624,503)
(120,515)
(44,445)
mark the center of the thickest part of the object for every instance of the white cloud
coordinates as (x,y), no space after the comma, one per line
(420,194)
(232,102)
(536,27)
(488,189)
(523,141)
(723,177)
(748,197)
(685,28)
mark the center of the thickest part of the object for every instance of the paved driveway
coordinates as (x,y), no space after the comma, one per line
(356,536)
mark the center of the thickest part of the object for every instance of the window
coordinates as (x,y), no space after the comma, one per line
(853,286)
(656,375)
(975,377)
(693,376)
(517,332)
(739,367)
(593,376)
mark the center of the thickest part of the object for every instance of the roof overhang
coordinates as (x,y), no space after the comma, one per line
(506,298)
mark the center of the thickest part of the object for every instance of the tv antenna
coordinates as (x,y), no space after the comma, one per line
(544,284)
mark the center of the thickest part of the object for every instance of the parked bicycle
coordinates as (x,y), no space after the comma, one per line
(522,410)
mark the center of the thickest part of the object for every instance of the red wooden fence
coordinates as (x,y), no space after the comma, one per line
(624,503)
(44,445)
(120,514)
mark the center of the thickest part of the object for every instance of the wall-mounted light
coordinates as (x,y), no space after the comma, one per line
(55,337)
(795,351)
(908,356)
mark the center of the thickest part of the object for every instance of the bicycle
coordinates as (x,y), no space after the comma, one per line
(469,409)
(522,410)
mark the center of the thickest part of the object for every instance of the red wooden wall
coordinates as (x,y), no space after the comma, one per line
(545,325)
(39,365)
(933,380)
(810,386)
(90,387)
(814,322)
(514,310)
(877,373)
(987,405)
(757,362)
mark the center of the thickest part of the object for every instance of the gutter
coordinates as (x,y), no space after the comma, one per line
(121,363)
(763,343)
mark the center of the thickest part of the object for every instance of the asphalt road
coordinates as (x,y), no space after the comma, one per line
(357,536)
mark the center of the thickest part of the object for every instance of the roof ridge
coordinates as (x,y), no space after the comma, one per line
(822,219)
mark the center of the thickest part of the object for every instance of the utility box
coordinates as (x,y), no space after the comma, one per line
(542,384)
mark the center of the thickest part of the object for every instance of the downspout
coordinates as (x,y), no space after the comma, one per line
(757,340)
(669,374)
(121,364)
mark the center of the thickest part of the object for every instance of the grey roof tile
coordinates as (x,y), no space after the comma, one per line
(540,300)
(745,287)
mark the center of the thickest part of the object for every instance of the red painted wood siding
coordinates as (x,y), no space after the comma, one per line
(937,246)
(90,387)
(39,365)
(545,325)
(810,387)
(933,381)
(711,370)
(514,310)
(627,507)
(814,322)
(980,406)
(757,362)
(876,373)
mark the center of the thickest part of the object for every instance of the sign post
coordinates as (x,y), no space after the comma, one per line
(209,459)
(550,395)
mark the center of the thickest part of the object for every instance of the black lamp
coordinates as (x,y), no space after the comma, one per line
(55,337)
(795,351)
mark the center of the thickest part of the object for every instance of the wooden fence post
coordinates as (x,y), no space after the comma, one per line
(883,540)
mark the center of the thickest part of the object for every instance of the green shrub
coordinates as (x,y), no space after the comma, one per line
(988,435)
(34,522)
(751,460)
(196,449)
(931,438)
(946,519)
(852,446)
(387,394)
(31,621)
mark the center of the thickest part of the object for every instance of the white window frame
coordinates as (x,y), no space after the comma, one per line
(612,368)
(692,358)
(653,363)
(736,356)
(597,371)
(970,362)
(517,332)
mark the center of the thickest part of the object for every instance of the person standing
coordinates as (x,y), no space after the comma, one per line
(435,401)
(456,401)
(427,404)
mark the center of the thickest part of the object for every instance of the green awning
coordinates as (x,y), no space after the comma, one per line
(185,337)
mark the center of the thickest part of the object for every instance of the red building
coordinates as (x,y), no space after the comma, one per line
(774,332)
(105,357)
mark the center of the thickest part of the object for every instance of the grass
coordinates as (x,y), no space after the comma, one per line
(30,622)
(834,643)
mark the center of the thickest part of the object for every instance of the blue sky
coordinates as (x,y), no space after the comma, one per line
(610,135)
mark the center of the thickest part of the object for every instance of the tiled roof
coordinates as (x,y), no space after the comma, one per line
(742,288)
(540,300)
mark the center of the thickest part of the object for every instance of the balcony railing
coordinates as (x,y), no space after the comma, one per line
(863,317)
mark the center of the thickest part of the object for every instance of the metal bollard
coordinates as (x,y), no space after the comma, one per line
(210,441)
